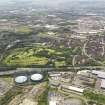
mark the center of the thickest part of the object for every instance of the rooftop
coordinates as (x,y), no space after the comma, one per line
(81,90)
(103,83)
(100,74)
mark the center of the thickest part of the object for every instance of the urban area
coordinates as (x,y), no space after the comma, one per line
(52,52)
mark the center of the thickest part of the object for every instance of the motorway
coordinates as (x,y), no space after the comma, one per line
(31,70)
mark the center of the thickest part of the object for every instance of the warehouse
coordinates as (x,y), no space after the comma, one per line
(103,84)
(100,74)
(73,88)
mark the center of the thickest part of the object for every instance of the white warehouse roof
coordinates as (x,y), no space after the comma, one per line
(103,83)
(36,77)
(100,74)
(53,103)
(76,89)
(81,90)
(55,75)
(20,79)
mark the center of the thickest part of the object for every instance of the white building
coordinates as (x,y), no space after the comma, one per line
(52,103)
(76,89)
(100,74)
(103,83)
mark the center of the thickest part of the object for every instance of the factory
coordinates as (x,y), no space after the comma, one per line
(73,88)
(101,76)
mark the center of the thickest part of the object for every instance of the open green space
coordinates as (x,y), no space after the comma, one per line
(24,29)
(95,97)
(25,57)
(49,34)
(39,56)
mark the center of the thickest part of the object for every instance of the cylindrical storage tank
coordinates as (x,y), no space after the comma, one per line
(36,77)
(21,79)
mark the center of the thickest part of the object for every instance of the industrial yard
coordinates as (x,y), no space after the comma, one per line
(58,87)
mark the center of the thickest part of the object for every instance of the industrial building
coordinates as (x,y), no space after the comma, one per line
(101,75)
(103,84)
(73,88)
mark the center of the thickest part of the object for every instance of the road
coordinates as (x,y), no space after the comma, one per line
(74,60)
(29,70)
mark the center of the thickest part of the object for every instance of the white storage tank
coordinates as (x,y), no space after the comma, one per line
(21,79)
(36,77)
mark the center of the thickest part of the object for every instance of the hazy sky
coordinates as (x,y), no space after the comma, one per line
(49,1)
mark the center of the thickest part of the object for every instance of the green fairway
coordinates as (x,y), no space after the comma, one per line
(39,56)
(23,29)
(24,57)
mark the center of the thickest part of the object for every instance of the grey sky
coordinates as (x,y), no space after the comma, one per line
(47,1)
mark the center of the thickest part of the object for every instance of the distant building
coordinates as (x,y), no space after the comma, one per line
(55,74)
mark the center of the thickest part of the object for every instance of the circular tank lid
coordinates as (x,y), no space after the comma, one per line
(36,77)
(21,79)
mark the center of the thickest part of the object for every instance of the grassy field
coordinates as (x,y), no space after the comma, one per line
(39,56)
(48,34)
(95,97)
(60,63)
(23,29)
(24,57)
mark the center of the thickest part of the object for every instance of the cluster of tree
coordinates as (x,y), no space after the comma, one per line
(10,95)
(94,96)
